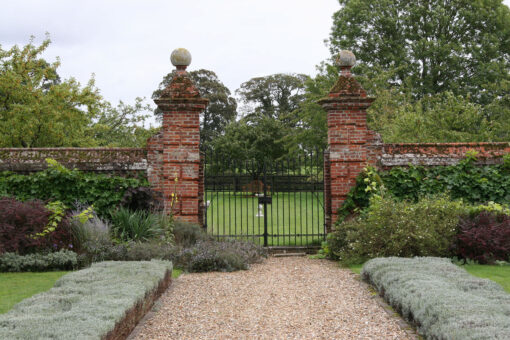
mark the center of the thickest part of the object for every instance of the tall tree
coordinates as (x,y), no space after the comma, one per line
(221,109)
(37,108)
(250,142)
(123,125)
(276,95)
(462,46)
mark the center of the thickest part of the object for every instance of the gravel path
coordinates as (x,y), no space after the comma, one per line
(282,298)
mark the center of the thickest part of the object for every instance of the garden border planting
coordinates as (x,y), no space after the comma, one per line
(105,301)
(442,300)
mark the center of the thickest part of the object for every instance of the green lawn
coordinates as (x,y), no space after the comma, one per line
(499,274)
(15,287)
(295,218)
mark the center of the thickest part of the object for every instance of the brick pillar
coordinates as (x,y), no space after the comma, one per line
(348,134)
(177,151)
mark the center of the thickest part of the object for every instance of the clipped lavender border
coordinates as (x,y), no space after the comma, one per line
(441,299)
(93,303)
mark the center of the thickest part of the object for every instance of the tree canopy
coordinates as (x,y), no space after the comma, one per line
(39,109)
(462,46)
(275,96)
(439,69)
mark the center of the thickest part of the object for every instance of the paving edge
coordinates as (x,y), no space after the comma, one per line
(408,328)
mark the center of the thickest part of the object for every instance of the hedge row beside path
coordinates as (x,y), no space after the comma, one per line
(441,299)
(104,301)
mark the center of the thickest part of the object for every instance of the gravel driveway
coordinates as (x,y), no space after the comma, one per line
(281,298)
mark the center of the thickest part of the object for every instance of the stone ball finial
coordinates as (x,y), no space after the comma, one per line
(180,57)
(345,59)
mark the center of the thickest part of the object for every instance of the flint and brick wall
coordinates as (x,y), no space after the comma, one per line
(120,161)
(435,154)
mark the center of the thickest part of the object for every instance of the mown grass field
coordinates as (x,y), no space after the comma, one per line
(15,287)
(289,216)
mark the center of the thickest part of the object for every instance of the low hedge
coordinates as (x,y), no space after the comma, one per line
(93,303)
(61,260)
(441,299)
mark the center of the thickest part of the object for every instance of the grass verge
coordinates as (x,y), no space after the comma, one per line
(15,287)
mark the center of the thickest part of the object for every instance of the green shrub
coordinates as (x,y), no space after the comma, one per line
(466,180)
(392,228)
(145,251)
(62,260)
(225,256)
(61,184)
(85,304)
(188,234)
(441,299)
(140,225)
(97,251)
(87,227)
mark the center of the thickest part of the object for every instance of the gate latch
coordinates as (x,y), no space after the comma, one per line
(265,200)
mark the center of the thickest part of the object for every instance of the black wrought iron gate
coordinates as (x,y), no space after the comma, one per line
(271,202)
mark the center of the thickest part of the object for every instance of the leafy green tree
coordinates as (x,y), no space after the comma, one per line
(310,129)
(222,108)
(38,109)
(276,95)
(443,117)
(123,125)
(460,46)
(250,142)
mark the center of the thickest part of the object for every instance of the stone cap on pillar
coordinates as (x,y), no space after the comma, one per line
(181,90)
(346,89)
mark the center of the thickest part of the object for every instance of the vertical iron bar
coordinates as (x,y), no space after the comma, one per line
(295,212)
(265,204)
(307,170)
(288,195)
(234,178)
(300,200)
(277,210)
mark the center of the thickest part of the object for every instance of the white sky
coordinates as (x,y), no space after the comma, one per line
(127,44)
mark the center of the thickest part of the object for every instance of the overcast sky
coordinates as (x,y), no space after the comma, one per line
(127,44)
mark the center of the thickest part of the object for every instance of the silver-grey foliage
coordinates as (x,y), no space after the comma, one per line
(443,300)
(85,304)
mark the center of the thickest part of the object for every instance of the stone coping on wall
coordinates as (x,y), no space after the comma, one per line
(84,159)
(436,154)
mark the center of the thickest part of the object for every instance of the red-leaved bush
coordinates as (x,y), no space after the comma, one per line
(484,238)
(21,221)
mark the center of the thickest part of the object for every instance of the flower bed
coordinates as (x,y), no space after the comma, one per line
(441,299)
(104,301)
